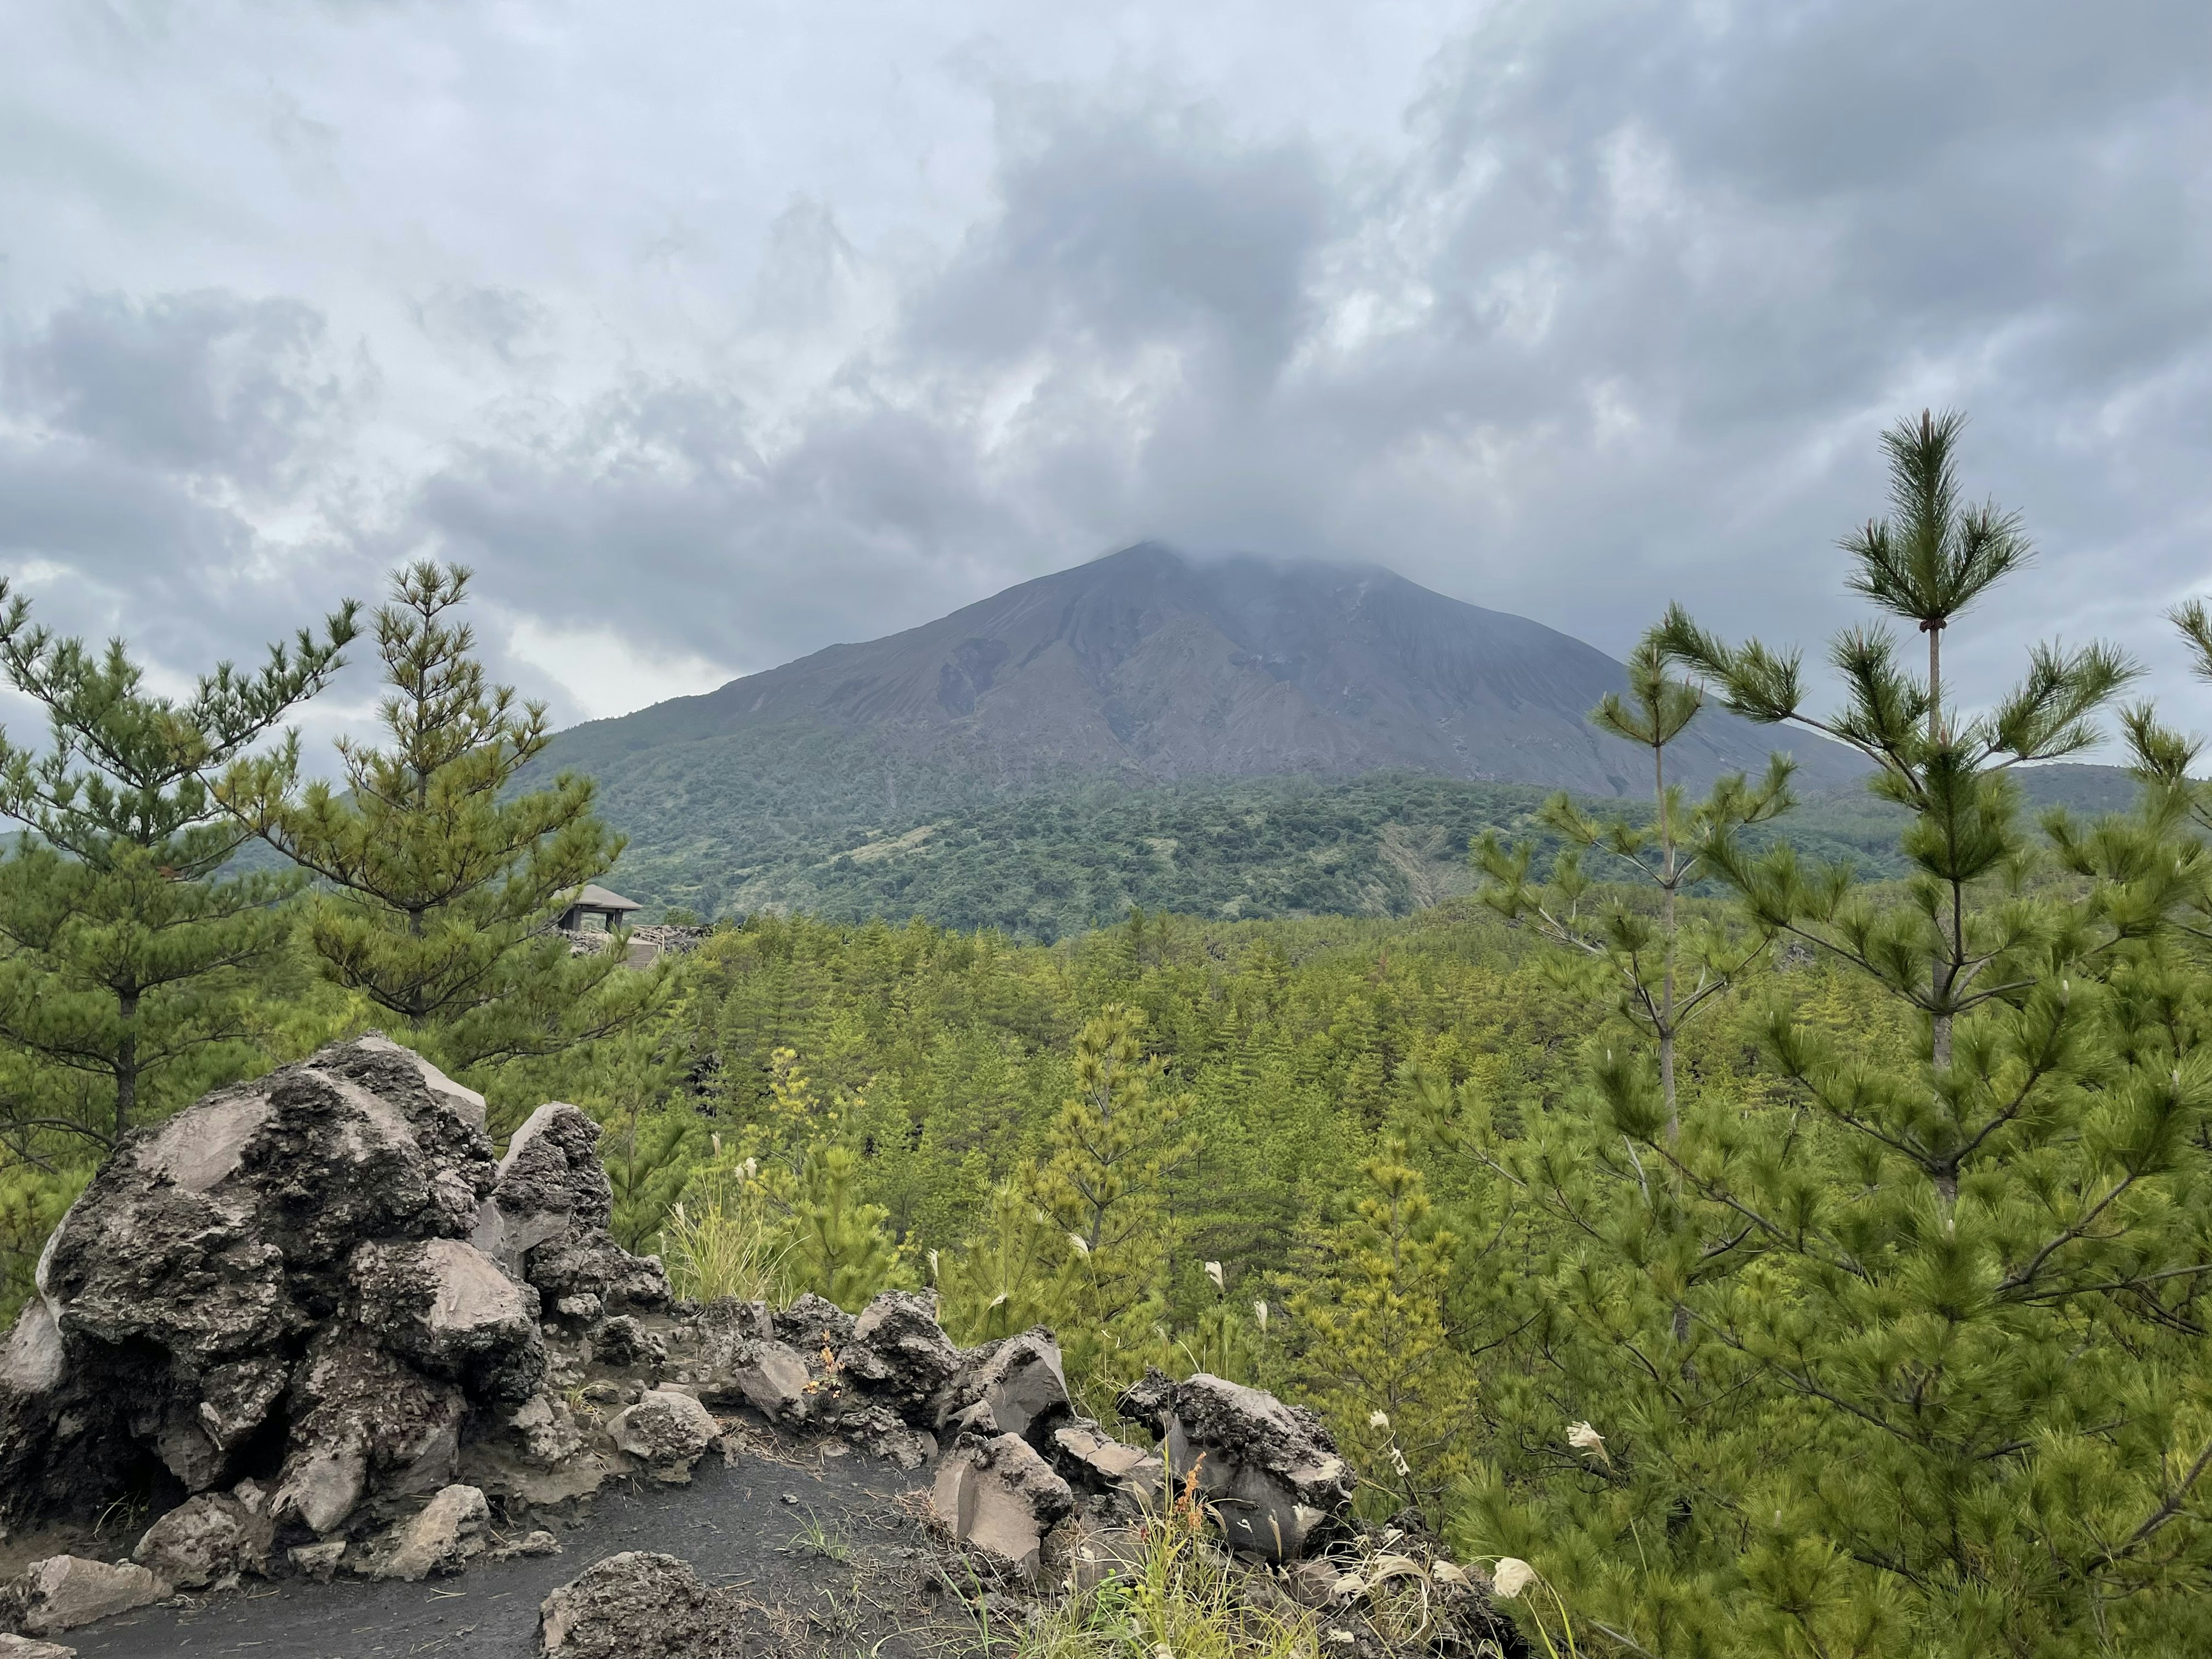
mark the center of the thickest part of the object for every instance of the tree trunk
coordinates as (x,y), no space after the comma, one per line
(126,1063)
(1934,682)
(1941,974)
(1667,981)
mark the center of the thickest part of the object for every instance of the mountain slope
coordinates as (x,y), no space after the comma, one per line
(1150,666)
(1144,667)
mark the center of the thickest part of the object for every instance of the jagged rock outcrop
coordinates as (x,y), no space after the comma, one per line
(738,1360)
(898,1353)
(546,1221)
(1015,1387)
(280,1283)
(1269,1469)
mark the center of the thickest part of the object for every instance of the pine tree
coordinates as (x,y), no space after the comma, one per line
(440,883)
(1963,1343)
(838,1248)
(1000,1279)
(1116,1144)
(1656,972)
(132,948)
(649,1132)
(1379,1357)
(832,1241)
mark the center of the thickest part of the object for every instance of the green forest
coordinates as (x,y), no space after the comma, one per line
(1774,1229)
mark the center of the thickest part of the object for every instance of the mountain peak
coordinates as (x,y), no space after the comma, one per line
(1150,665)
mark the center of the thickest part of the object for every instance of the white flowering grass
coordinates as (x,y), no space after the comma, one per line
(1589,1442)
(1513,1579)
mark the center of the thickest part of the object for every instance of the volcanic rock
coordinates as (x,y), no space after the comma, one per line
(442,1304)
(318,1561)
(623,1342)
(277,1284)
(880,1431)
(998,1498)
(443,1538)
(1270,1470)
(547,1429)
(63,1591)
(898,1352)
(210,1539)
(667,1431)
(1102,1464)
(1017,1384)
(812,1324)
(766,1375)
(634,1606)
(551,1186)
(24,1647)
(359,1413)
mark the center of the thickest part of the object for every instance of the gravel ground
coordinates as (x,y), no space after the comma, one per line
(745,1525)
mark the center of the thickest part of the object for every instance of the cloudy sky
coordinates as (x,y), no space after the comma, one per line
(713,334)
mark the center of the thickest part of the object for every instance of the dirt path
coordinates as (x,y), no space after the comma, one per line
(745,1525)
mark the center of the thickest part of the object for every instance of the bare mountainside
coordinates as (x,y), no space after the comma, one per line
(1154,667)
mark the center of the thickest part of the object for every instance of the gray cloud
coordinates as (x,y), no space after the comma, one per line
(1600,305)
(206,382)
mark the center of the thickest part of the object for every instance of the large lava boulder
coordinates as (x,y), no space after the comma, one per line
(1270,1470)
(279,1282)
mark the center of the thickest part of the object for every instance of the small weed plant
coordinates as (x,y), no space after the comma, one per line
(1180,1597)
(722,1242)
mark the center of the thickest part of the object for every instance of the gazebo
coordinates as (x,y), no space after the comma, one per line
(596,910)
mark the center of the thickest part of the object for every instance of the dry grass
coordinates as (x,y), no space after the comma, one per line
(722,1242)
(1181,1596)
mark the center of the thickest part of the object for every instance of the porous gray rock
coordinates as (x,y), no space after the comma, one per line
(278,1283)
(1100,1463)
(812,1324)
(442,1539)
(64,1591)
(766,1375)
(362,1418)
(668,1431)
(531,1543)
(593,1265)
(546,1221)
(1271,1472)
(551,1187)
(444,1307)
(319,1560)
(27,1647)
(898,1352)
(635,1605)
(997,1498)
(622,1343)
(1016,1386)
(547,1429)
(210,1539)
(881,1431)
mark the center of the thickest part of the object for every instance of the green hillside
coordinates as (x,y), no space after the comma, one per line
(848,846)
